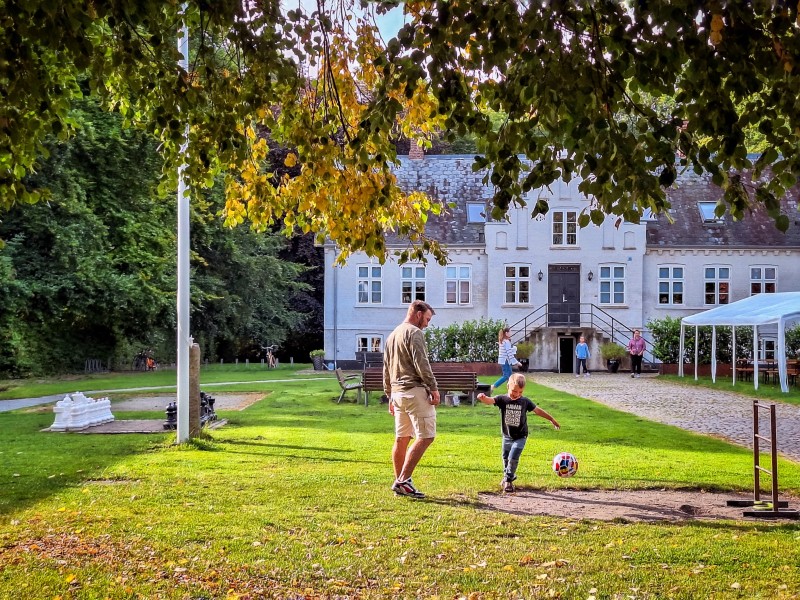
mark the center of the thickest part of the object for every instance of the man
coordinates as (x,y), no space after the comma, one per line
(409,383)
(636,349)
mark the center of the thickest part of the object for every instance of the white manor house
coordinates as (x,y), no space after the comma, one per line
(552,281)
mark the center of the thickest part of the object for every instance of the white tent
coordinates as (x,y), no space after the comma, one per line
(765,313)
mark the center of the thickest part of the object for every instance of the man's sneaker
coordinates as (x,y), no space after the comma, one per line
(406,488)
(577,375)
(586,374)
(508,487)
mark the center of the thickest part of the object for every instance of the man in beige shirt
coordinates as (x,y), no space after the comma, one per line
(409,383)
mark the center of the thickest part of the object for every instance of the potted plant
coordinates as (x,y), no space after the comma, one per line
(524,351)
(317,357)
(613,355)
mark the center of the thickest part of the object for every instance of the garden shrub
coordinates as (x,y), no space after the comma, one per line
(470,341)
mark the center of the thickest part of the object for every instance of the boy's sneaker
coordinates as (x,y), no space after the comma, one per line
(633,375)
(406,488)
(508,487)
(585,374)
(577,376)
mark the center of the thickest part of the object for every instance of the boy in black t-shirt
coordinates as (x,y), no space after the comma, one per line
(514,425)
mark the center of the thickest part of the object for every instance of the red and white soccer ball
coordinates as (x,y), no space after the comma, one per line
(565,465)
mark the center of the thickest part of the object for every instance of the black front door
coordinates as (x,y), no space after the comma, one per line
(564,296)
(566,354)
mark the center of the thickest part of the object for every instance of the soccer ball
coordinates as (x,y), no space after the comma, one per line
(564,464)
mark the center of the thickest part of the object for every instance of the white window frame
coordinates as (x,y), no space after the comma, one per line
(675,285)
(707,212)
(367,291)
(412,277)
(612,284)
(567,222)
(515,282)
(762,279)
(368,342)
(477,212)
(718,281)
(460,276)
(767,349)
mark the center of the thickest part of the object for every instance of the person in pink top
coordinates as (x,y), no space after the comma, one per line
(636,348)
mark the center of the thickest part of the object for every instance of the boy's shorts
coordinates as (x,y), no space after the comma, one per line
(414,415)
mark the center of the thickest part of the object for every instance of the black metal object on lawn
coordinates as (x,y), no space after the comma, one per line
(207,412)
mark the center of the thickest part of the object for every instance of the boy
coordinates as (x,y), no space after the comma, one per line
(582,354)
(514,425)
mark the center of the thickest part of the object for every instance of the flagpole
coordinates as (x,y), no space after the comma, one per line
(184,340)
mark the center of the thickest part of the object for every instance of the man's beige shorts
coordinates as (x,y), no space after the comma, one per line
(414,415)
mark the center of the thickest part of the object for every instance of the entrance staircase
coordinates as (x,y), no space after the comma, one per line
(588,318)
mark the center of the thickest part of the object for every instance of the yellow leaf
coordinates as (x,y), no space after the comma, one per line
(291,159)
(70,578)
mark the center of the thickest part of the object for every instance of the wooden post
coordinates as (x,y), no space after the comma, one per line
(194,391)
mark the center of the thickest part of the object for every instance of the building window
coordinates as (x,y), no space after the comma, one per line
(762,280)
(369,343)
(565,228)
(518,284)
(718,285)
(707,212)
(412,283)
(476,213)
(670,285)
(766,349)
(612,284)
(458,284)
(369,284)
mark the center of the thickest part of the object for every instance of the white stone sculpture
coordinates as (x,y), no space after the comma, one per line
(78,412)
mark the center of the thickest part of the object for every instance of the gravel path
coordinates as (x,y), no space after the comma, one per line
(712,412)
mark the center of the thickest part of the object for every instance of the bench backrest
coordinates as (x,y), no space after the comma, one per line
(447,379)
(340,376)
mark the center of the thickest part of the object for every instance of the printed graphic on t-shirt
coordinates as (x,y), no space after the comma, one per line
(513,415)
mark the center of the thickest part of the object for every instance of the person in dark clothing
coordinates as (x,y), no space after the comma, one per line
(514,425)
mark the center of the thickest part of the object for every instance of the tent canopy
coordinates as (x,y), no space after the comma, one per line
(761,309)
(770,312)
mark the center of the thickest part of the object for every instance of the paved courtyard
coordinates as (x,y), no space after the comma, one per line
(713,412)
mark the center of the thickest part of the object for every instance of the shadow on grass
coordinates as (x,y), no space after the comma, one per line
(37,465)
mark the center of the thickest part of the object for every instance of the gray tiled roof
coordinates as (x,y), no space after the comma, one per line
(447,178)
(688,230)
(450,179)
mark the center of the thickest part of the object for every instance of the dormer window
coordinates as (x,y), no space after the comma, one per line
(707,212)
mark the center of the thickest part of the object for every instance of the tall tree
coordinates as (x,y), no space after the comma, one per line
(569,75)
(91,273)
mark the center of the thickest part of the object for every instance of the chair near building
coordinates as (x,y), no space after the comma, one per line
(348,383)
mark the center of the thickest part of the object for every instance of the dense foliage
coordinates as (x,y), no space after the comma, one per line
(609,90)
(91,273)
(468,341)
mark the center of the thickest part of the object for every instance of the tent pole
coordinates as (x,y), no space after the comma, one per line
(733,361)
(680,352)
(696,350)
(713,354)
(755,356)
(782,356)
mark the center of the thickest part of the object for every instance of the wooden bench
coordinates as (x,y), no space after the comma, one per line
(451,377)
(347,383)
(371,381)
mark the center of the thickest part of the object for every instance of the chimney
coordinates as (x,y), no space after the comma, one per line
(415,151)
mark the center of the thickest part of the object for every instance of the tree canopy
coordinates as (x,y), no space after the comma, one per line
(611,91)
(91,273)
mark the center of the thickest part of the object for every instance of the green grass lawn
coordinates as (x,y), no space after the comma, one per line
(291,499)
(163,379)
